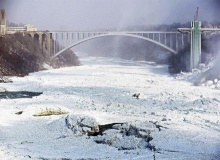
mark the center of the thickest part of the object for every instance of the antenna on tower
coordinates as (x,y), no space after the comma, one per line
(197,14)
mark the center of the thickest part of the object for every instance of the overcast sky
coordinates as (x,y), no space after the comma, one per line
(92,14)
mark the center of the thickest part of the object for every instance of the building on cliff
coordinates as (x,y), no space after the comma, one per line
(25,28)
(3,28)
(11,30)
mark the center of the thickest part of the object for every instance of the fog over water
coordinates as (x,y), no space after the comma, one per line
(94,14)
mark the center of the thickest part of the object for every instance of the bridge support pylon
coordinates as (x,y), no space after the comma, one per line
(195,43)
(195,51)
(196,48)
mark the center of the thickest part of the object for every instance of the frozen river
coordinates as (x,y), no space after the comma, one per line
(183,120)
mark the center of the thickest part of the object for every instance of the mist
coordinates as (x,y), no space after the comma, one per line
(99,14)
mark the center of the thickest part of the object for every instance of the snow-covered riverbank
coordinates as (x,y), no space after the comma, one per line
(184,119)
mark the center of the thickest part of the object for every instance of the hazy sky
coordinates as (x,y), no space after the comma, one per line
(92,14)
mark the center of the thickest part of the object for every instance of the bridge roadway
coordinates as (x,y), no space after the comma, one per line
(129,32)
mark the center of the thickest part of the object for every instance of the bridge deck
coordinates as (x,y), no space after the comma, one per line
(113,32)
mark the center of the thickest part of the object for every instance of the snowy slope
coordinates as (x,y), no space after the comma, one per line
(188,116)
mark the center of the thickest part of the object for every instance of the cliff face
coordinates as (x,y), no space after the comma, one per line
(19,55)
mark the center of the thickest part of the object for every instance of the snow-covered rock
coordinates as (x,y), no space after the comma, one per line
(218,85)
(204,101)
(4,79)
(213,86)
(127,136)
(128,142)
(209,83)
(2,89)
(78,124)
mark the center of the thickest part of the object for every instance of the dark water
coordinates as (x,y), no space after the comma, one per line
(18,94)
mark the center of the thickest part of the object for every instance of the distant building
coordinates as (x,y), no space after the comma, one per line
(11,30)
(30,27)
(25,28)
(2,23)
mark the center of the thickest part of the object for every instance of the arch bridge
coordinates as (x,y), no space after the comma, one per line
(64,40)
(55,43)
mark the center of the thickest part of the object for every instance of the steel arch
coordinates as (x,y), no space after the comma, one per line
(114,34)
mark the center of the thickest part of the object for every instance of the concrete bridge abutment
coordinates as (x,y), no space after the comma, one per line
(44,40)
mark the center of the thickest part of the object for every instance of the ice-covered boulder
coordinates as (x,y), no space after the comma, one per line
(212,72)
(116,139)
(75,124)
(81,124)
(128,136)
(5,79)
(209,83)
(213,86)
(2,89)
(124,136)
(218,85)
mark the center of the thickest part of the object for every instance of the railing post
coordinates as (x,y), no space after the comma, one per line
(171,41)
(182,42)
(177,43)
(159,37)
(165,37)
